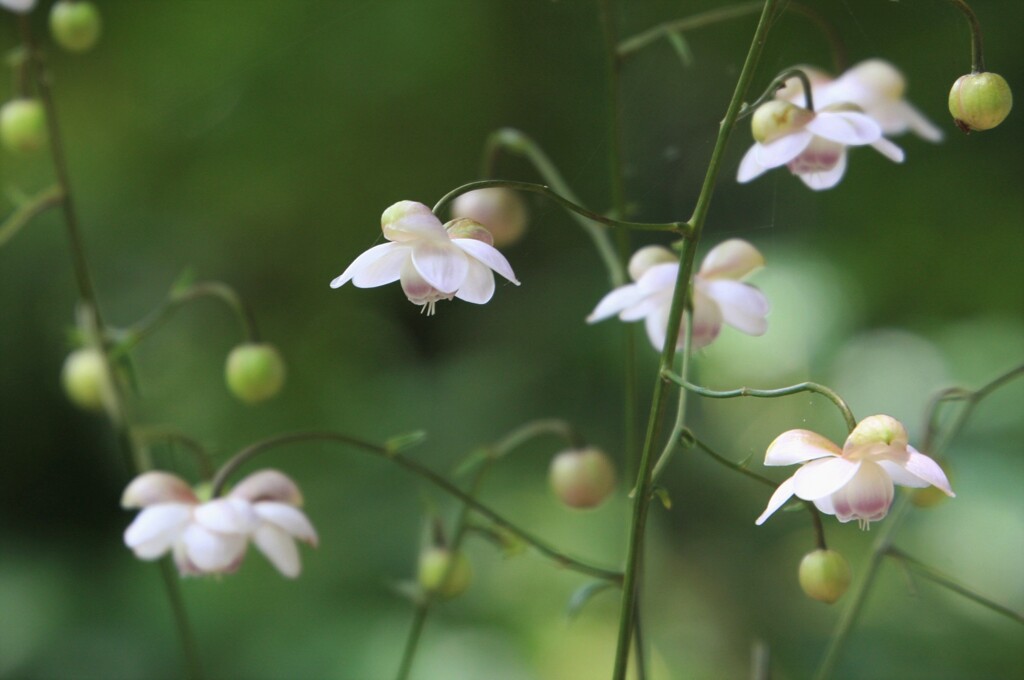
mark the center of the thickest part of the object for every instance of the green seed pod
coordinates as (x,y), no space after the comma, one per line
(23,125)
(75,25)
(85,381)
(582,478)
(255,372)
(980,101)
(435,563)
(824,575)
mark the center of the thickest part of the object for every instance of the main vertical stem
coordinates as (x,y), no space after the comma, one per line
(642,496)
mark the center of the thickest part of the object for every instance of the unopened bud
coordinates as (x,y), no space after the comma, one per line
(776,119)
(501,210)
(85,381)
(75,25)
(824,575)
(647,257)
(255,372)
(446,573)
(980,101)
(582,478)
(465,227)
(23,125)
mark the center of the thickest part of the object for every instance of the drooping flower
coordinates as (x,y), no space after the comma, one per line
(211,537)
(812,144)
(855,482)
(18,6)
(432,261)
(718,294)
(501,211)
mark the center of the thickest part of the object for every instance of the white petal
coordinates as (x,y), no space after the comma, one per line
(415,286)
(659,278)
(279,548)
(707,320)
(478,288)
(825,505)
(211,551)
(743,307)
(889,150)
(441,264)
(920,125)
(900,475)
(783,149)
(384,269)
(267,485)
(866,497)
(925,468)
(154,487)
(749,167)
(156,528)
(828,178)
(733,259)
(823,477)
(646,306)
(616,301)
(19,6)
(778,499)
(799,446)
(656,325)
(365,260)
(289,519)
(846,127)
(227,516)
(487,254)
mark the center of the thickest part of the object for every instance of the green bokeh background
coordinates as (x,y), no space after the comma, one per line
(257,142)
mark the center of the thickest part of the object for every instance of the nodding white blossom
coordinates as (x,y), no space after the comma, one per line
(812,144)
(211,537)
(718,294)
(18,6)
(432,261)
(855,482)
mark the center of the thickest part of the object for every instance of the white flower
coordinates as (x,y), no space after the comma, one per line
(811,143)
(19,6)
(857,481)
(212,537)
(718,295)
(433,261)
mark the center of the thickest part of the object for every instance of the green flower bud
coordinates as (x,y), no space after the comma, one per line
(23,125)
(85,380)
(436,563)
(776,119)
(582,478)
(824,575)
(980,101)
(75,25)
(255,372)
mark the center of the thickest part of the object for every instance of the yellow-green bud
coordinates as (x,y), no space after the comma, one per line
(436,563)
(85,381)
(255,372)
(980,101)
(582,478)
(776,119)
(824,575)
(23,125)
(75,26)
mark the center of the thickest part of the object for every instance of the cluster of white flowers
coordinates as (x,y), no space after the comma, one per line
(859,108)
(211,537)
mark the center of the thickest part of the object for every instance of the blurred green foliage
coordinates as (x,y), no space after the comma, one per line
(257,142)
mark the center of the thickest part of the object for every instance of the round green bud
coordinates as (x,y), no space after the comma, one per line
(255,372)
(980,101)
(776,119)
(824,575)
(85,381)
(582,478)
(23,125)
(436,563)
(75,25)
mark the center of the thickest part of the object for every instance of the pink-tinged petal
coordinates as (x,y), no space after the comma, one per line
(749,167)
(799,446)
(156,528)
(846,127)
(478,288)
(878,429)
(489,255)
(899,475)
(926,469)
(182,562)
(211,551)
(616,301)
(227,516)
(289,519)
(707,320)
(656,325)
(824,504)
(733,259)
(411,221)
(889,150)
(267,485)
(867,497)
(824,477)
(367,260)
(416,288)
(278,547)
(821,180)
(783,149)
(742,306)
(778,499)
(154,487)
(441,264)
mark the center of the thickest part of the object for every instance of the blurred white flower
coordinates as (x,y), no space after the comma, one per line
(19,6)
(718,294)
(432,261)
(857,481)
(812,144)
(211,537)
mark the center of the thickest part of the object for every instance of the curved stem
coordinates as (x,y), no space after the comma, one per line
(675,227)
(679,427)
(412,466)
(537,428)
(778,82)
(24,214)
(826,392)
(977,49)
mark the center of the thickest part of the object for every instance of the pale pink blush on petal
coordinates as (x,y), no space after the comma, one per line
(927,469)
(707,320)
(268,485)
(819,180)
(782,494)
(799,446)
(154,487)
(867,497)
(823,477)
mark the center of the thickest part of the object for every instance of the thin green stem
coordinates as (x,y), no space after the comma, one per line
(977,49)
(24,214)
(534,429)
(680,296)
(824,391)
(412,466)
(972,397)
(193,664)
(679,427)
